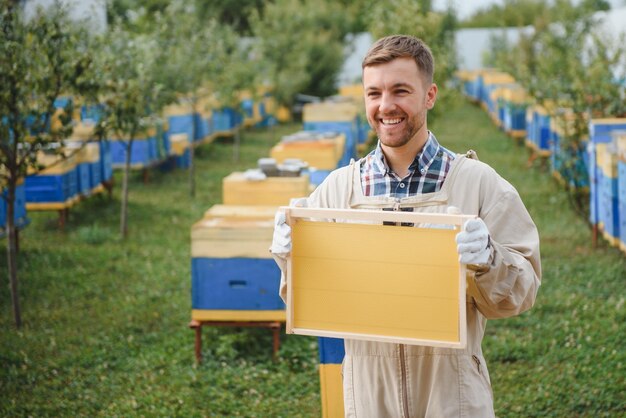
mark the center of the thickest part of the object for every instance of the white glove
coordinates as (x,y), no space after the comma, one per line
(281,241)
(473,242)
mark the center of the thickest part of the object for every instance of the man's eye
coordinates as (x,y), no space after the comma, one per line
(373,94)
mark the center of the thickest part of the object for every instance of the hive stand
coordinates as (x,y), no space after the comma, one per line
(197,327)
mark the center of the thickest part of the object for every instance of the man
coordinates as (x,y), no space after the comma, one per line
(409,169)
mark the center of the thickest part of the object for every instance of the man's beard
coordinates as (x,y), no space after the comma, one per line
(413,126)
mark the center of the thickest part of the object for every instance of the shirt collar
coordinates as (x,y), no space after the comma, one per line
(422,160)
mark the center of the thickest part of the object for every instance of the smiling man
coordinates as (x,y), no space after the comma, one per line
(410,170)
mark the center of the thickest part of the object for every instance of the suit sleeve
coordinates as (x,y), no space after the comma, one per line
(509,285)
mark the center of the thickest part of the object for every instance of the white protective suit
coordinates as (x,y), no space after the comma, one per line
(395,380)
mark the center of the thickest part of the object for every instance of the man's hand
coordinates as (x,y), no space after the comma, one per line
(281,241)
(473,242)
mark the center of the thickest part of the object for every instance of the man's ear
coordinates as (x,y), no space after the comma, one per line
(431,96)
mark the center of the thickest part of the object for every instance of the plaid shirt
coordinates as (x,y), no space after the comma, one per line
(426,173)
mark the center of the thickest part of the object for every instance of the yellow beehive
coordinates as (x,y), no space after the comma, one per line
(232,212)
(228,238)
(323,154)
(606,158)
(355,92)
(620,142)
(237,190)
(329,112)
(331,387)
(83,131)
(85,152)
(352,90)
(467,75)
(54,163)
(147,132)
(515,94)
(497,77)
(178,109)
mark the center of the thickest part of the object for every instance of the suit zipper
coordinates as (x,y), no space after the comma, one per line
(401,349)
(405,394)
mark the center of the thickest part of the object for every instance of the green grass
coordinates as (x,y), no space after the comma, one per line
(106,332)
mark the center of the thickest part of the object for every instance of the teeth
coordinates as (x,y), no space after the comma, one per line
(392,121)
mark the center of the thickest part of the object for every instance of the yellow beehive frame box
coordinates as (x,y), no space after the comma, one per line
(227,238)
(323,154)
(237,212)
(329,112)
(360,279)
(272,191)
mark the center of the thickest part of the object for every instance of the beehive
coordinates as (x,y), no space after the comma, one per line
(144,150)
(323,153)
(338,117)
(273,191)
(180,119)
(234,277)
(600,129)
(331,353)
(56,184)
(233,212)
(621,192)
(608,204)
(87,163)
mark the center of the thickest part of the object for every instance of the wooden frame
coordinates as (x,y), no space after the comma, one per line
(358,278)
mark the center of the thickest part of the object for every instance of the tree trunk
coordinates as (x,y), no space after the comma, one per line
(12,251)
(124,211)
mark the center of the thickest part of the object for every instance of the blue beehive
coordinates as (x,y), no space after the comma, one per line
(56,184)
(601,133)
(338,117)
(235,283)
(316,177)
(181,123)
(233,274)
(331,353)
(143,150)
(224,120)
(106,161)
(593,183)
(608,204)
(600,130)
(620,142)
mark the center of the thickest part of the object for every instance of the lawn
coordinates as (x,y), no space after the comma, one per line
(106,332)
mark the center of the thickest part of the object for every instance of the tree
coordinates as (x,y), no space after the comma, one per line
(568,66)
(301,41)
(39,60)
(130,94)
(436,29)
(197,54)
(514,13)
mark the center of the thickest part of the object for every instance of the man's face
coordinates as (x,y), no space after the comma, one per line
(396,101)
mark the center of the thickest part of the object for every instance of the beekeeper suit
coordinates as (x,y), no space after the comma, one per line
(500,248)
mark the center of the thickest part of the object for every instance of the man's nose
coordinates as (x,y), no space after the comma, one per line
(387,103)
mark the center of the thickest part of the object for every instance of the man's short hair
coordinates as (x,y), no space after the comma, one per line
(391,47)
